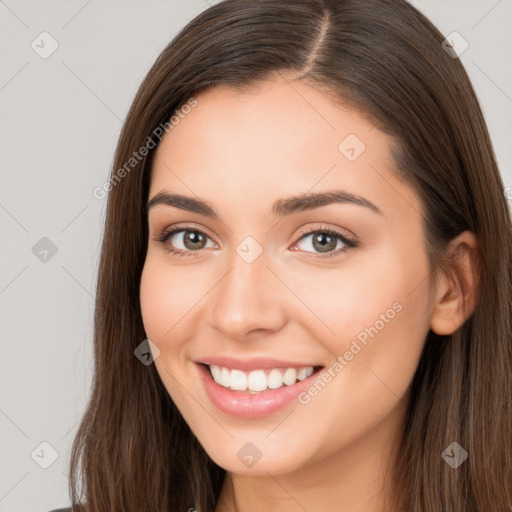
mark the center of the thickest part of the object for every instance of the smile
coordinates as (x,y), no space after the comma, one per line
(257,381)
(254,393)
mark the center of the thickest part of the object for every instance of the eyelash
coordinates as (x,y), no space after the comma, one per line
(350,244)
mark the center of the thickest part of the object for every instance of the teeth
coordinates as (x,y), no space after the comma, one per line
(225,377)
(215,373)
(290,376)
(258,380)
(303,373)
(275,379)
(238,380)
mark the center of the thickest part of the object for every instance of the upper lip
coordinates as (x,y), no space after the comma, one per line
(255,363)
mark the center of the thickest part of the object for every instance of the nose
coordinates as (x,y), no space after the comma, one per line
(248,299)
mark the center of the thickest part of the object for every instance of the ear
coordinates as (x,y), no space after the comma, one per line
(456,293)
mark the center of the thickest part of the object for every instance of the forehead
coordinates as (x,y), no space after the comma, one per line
(277,139)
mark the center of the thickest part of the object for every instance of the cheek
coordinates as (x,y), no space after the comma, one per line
(368,289)
(168,298)
(380,320)
(376,311)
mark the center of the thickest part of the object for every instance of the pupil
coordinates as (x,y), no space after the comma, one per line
(194,239)
(324,246)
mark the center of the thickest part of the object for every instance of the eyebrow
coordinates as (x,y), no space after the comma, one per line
(280,208)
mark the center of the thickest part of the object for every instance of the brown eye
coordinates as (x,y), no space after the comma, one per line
(184,241)
(193,240)
(325,241)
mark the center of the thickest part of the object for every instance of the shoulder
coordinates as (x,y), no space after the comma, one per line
(67,509)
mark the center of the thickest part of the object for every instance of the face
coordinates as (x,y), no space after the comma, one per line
(275,287)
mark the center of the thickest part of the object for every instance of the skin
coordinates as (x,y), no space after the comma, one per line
(241,151)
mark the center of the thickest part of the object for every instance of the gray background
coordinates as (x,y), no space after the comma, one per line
(61,117)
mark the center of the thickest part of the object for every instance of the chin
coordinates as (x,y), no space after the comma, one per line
(242,457)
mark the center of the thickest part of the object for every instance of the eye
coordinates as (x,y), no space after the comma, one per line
(188,238)
(325,241)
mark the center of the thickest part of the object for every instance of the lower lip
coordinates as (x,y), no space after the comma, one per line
(246,405)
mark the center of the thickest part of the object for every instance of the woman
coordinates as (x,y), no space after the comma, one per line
(304,295)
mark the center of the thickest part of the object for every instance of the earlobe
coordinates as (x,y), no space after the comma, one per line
(456,293)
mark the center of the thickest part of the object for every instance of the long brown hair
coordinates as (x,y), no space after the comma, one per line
(133,451)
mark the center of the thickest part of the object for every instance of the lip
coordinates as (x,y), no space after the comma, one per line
(246,405)
(255,363)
